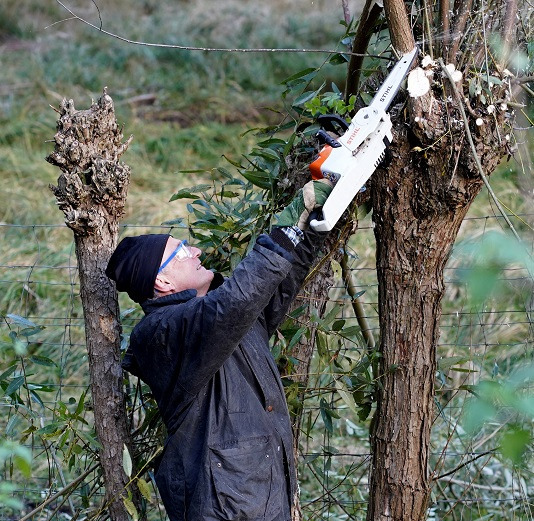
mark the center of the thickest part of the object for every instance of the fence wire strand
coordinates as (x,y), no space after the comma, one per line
(39,283)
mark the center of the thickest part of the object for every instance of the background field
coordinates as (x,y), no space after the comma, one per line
(186,110)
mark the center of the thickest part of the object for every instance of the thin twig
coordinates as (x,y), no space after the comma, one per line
(60,493)
(370,14)
(346,11)
(474,150)
(453,471)
(357,305)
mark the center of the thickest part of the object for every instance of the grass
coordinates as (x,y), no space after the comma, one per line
(186,110)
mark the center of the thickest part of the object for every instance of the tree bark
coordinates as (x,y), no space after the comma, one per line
(399,26)
(419,203)
(91,192)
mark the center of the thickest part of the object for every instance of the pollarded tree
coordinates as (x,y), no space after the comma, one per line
(452,131)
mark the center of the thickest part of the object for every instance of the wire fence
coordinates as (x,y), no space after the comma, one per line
(479,340)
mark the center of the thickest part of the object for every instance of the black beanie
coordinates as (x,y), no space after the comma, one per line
(135,263)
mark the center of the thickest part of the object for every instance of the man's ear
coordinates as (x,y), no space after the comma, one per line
(163,285)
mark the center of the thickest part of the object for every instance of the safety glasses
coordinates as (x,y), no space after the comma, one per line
(181,253)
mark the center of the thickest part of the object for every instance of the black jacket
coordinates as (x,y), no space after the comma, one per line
(207,361)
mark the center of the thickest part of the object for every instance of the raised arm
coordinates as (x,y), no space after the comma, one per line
(304,253)
(209,329)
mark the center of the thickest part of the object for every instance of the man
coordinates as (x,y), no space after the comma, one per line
(203,349)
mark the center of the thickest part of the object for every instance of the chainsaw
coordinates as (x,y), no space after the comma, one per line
(350,160)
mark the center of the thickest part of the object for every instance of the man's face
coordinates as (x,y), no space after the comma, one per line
(182,272)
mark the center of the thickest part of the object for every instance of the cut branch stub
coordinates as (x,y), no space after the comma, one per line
(93,185)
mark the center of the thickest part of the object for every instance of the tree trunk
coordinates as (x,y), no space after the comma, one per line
(91,192)
(419,203)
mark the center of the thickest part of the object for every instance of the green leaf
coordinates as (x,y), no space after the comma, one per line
(130,507)
(127,461)
(258,178)
(37,398)
(336,268)
(364,411)
(81,404)
(338,325)
(89,438)
(296,337)
(514,444)
(322,345)
(175,222)
(476,413)
(304,75)
(8,372)
(303,98)
(349,332)
(23,462)
(446,363)
(346,395)
(190,193)
(29,331)
(51,429)
(12,424)
(144,488)
(42,360)
(183,194)
(339,59)
(14,385)
(327,418)
(21,321)
(266,153)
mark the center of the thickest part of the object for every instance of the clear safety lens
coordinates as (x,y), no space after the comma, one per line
(182,252)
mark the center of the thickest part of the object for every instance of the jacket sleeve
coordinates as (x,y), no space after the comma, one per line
(304,253)
(205,331)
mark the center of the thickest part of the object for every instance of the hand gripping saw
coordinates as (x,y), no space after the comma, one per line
(351,160)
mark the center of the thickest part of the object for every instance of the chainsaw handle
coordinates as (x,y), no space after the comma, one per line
(318,223)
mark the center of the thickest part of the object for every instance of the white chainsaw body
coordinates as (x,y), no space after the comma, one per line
(362,148)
